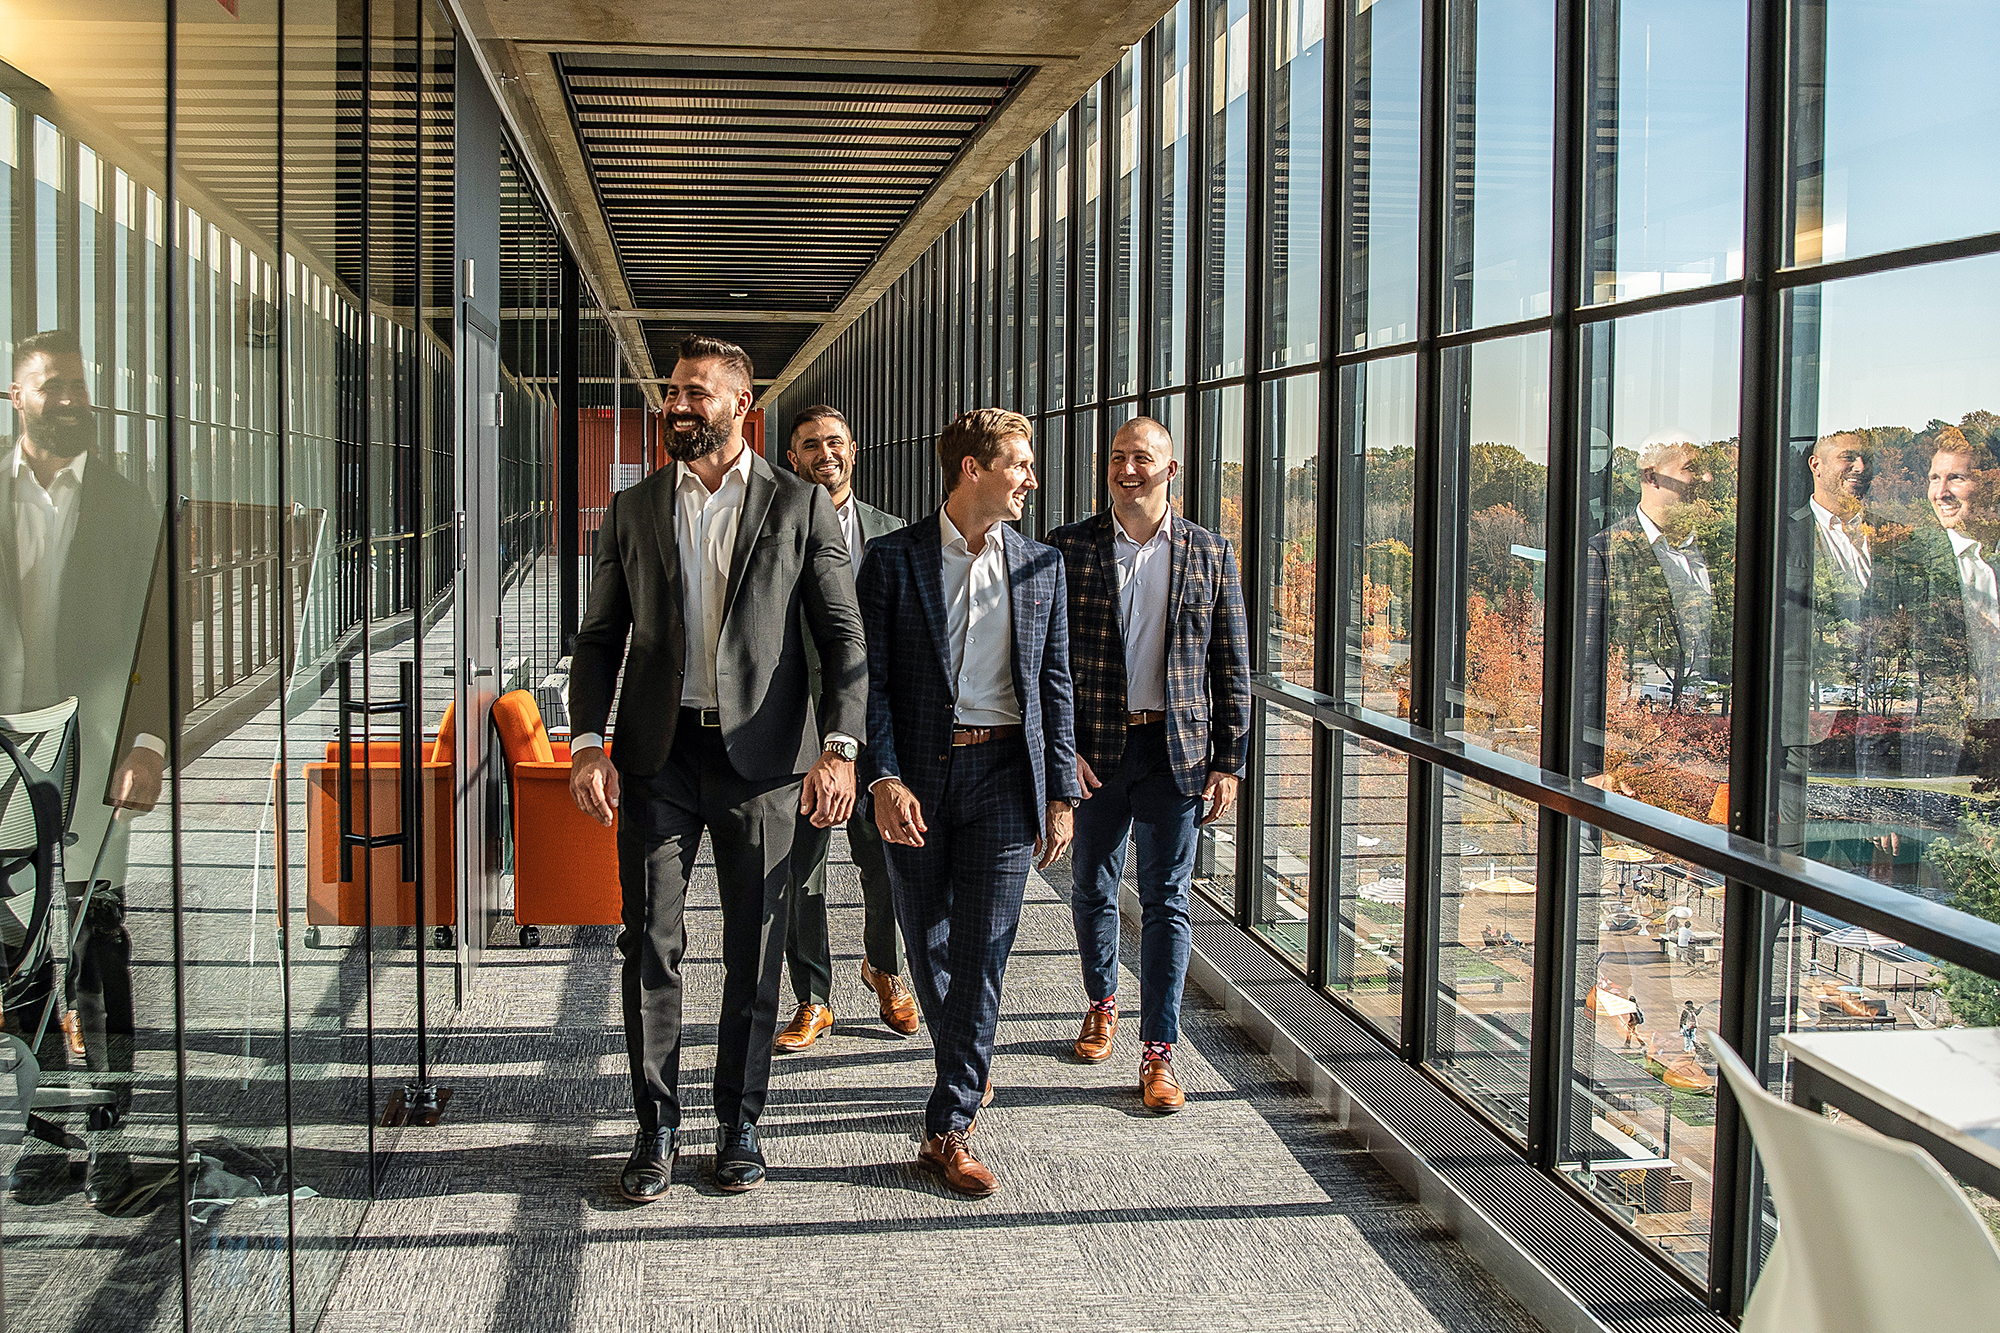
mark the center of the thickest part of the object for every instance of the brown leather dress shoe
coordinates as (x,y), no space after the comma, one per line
(805,1027)
(899,1007)
(1160,1089)
(950,1155)
(1093,1044)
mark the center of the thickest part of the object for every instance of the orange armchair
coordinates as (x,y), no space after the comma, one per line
(333,901)
(565,862)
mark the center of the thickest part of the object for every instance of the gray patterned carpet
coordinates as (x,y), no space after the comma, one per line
(1248,1210)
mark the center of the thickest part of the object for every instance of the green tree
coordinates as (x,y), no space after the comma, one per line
(1968,864)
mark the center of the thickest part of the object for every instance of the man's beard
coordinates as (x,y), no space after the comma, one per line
(700,442)
(63,435)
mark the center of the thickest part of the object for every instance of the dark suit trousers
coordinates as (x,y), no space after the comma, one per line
(959,900)
(750,828)
(809,947)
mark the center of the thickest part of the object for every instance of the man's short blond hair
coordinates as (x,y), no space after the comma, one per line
(979,435)
(1667,446)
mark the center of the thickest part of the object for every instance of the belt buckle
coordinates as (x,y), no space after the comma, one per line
(712,717)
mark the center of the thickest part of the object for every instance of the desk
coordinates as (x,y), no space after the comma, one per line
(1939,1090)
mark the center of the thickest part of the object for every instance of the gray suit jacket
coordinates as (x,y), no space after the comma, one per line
(873,523)
(789,580)
(121,691)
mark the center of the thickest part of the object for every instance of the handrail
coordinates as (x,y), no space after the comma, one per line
(1943,932)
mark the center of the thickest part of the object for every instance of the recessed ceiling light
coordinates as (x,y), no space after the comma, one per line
(739,295)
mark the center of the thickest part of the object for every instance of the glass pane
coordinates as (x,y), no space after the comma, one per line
(1224,221)
(1384,61)
(1500,82)
(1033,285)
(1378,487)
(1660,405)
(1090,168)
(1484,951)
(1364,963)
(1052,471)
(1170,206)
(1294,114)
(1056,363)
(1010,287)
(1122,319)
(1284,888)
(1638,1123)
(1892,644)
(1496,519)
(1222,463)
(1291,525)
(1862,150)
(1082,463)
(1171,412)
(1663,184)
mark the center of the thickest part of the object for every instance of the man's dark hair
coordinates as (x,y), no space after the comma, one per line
(819,412)
(978,435)
(51,343)
(698,347)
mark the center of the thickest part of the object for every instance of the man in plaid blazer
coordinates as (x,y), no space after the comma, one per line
(1159,648)
(971,756)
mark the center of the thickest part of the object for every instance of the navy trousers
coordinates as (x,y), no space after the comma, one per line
(1142,799)
(958,898)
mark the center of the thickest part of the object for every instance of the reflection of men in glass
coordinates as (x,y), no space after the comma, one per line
(1961,498)
(1650,593)
(76,560)
(1843,469)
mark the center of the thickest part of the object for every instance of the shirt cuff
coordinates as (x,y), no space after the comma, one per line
(146,740)
(590,740)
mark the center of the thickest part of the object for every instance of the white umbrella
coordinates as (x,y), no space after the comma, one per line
(1360,841)
(1680,911)
(1856,937)
(1384,891)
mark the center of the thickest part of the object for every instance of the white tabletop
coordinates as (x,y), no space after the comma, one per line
(1946,1081)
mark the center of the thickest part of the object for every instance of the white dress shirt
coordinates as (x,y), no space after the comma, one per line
(1683,556)
(1981,593)
(979,628)
(850,531)
(1846,543)
(1145,578)
(44,530)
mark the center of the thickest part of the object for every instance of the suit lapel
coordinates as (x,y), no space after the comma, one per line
(1177,538)
(1106,547)
(1021,605)
(928,554)
(749,523)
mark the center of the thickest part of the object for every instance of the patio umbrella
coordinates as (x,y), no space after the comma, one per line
(1389,891)
(1504,884)
(1856,937)
(1680,911)
(1627,853)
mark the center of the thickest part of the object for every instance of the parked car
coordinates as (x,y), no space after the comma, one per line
(1839,696)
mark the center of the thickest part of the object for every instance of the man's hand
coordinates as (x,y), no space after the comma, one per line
(899,817)
(136,785)
(1061,822)
(593,784)
(1086,777)
(827,795)
(1220,793)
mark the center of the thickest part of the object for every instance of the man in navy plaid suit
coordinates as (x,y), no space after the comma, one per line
(971,754)
(1160,649)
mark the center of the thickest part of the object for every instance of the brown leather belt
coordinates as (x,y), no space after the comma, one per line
(1145,719)
(981,735)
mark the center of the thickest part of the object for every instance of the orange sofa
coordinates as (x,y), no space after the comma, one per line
(565,862)
(377,810)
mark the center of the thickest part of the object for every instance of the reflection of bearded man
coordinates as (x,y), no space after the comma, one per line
(1843,470)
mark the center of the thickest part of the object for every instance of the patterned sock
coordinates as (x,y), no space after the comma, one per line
(1107,1005)
(1157,1050)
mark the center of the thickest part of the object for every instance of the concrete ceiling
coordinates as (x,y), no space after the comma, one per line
(787,102)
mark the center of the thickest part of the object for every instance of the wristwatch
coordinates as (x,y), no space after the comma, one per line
(841,747)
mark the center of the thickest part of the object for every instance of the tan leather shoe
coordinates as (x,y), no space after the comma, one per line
(805,1027)
(950,1155)
(899,1007)
(1159,1088)
(1093,1044)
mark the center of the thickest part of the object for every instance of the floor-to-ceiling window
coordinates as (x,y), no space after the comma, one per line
(1611,420)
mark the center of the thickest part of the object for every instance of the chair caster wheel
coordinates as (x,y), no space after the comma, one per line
(102,1117)
(531,937)
(442,937)
(311,940)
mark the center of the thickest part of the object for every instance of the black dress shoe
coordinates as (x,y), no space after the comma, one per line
(651,1168)
(739,1162)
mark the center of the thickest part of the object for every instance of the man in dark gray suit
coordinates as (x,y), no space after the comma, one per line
(78,549)
(717,570)
(823,453)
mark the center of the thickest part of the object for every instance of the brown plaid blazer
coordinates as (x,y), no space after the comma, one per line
(1208,657)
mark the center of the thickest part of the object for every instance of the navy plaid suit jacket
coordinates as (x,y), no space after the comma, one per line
(1208,651)
(911,699)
